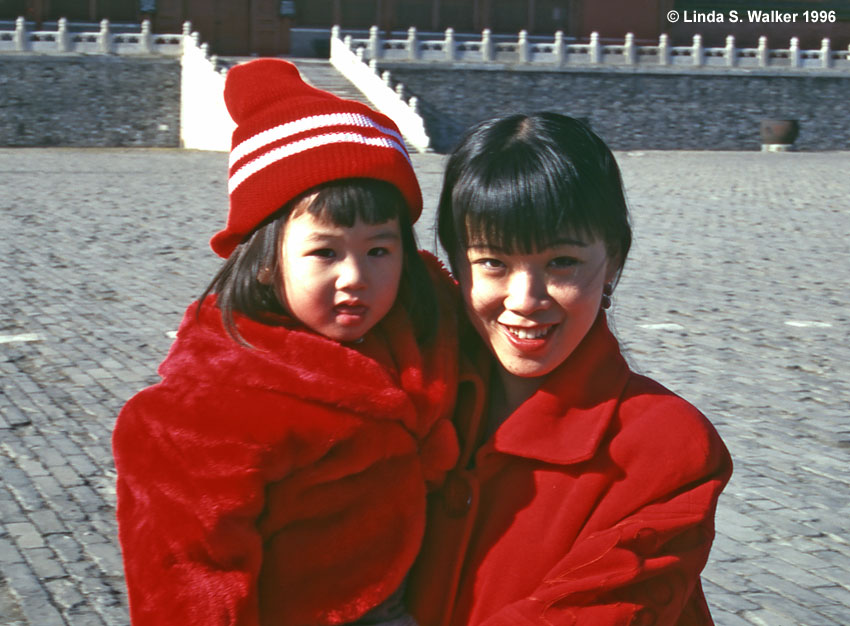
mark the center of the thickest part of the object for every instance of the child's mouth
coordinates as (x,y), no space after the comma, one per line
(350,314)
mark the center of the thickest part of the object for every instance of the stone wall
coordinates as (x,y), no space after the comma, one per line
(636,110)
(48,100)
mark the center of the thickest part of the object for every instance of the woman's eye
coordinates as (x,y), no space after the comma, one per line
(379,252)
(563,262)
(325,253)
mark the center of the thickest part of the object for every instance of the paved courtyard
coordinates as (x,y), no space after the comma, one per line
(735,296)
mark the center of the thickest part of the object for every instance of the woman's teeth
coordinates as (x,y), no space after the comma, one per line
(529,333)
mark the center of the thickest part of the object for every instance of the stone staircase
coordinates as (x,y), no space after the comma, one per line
(322,75)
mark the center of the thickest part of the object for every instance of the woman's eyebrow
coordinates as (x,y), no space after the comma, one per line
(551,244)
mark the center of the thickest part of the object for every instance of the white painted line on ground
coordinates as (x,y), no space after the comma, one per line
(19,338)
(808,324)
(662,326)
(171,334)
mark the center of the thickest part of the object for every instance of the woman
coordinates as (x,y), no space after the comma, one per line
(585,493)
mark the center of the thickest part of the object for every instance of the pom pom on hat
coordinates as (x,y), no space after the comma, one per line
(291,137)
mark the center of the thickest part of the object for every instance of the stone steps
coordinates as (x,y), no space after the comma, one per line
(321,74)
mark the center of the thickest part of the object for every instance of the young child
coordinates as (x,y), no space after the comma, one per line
(278,472)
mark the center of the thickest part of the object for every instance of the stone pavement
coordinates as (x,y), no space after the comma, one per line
(735,297)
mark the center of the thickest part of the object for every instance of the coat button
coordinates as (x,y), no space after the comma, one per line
(457,495)
(644,617)
(646,541)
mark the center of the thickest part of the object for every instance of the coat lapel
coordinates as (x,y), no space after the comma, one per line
(566,419)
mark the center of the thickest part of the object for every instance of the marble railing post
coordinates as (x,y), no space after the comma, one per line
(664,49)
(146,39)
(104,37)
(560,48)
(374,43)
(595,48)
(20,35)
(763,53)
(794,52)
(449,44)
(412,44)
(698,52)
(63,41)
(825,53)
(523,47)
(629,51)
(486,46)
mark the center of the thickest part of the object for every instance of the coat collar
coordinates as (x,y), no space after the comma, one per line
(566,419)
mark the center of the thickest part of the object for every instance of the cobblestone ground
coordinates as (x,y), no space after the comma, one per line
(735,297)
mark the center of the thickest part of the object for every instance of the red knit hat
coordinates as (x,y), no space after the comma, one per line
(290,137)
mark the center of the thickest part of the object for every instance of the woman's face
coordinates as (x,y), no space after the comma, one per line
(533,309)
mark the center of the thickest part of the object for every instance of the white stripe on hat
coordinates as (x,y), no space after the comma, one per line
(308,143)
(260,140)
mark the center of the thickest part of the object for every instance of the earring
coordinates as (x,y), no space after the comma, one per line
(264,276)
(607,293)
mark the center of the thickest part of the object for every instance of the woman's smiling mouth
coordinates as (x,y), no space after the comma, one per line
(528,338)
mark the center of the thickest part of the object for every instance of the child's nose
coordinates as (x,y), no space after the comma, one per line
(352,274)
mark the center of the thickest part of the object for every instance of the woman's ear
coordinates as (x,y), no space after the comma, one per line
(612,272)
(265,275)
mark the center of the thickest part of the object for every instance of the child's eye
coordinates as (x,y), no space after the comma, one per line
(379,252)
(325,253)
(490,264)
(563,262)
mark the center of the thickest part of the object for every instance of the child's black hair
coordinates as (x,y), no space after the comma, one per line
(238,285)
(521,181)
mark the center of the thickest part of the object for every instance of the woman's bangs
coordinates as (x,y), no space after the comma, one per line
(521,207)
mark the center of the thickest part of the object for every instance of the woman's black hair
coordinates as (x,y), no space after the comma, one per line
(250,281)
(520,182)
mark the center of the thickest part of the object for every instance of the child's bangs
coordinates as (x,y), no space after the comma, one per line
(345,201)
(522,205)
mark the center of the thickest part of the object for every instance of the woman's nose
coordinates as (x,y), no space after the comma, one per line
(526,293)
(352,274)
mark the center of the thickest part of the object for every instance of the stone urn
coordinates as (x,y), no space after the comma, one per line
(778,135)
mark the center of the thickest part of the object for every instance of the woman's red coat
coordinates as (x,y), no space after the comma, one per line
(283,483)
(593,504)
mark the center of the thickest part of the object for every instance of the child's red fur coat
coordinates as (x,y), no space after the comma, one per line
(285,483)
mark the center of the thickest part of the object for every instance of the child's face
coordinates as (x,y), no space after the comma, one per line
(340,281)
(532,310)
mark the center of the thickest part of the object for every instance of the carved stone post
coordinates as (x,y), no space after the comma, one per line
(147,37)
(595,48)
(794,52)
(522,46)
(731,55)
(629,51)
(449,44)
(825,53)
(374,43)
(697,51)
(763,53)
(412,44)
(487,53)
(63,41)
(20,35)
(104,38)
(664,49)
(560,49)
